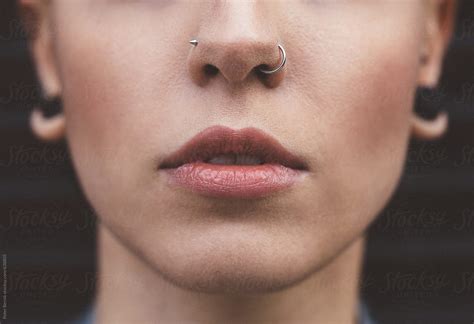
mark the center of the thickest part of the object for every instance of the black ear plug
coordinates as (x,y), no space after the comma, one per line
(428,102)
(50,106)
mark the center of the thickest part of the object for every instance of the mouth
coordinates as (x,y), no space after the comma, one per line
(226,163)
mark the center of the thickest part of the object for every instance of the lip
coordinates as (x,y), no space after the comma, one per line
(187,167)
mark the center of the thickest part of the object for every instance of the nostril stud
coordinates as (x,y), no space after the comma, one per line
(193,42)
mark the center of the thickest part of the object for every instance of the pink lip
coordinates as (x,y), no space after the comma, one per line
(187,167)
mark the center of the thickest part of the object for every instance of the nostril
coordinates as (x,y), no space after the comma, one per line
(261,67)
(262,76)
(210,70)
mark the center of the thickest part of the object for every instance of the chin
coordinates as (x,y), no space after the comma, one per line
(232,278)
(237,263)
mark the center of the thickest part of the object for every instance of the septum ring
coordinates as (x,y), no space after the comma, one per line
(195,42)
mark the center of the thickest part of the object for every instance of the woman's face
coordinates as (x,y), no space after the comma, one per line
(132,95)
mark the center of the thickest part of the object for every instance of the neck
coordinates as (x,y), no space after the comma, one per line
(131,292)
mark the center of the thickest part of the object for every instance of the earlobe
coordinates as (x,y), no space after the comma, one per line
(429,71)
(429,129)
(42,49)
(439,28)
(35,18)
(47,128)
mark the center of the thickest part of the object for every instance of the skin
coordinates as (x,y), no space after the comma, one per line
(134,90)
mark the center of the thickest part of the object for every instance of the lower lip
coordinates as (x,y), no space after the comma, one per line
(233,181)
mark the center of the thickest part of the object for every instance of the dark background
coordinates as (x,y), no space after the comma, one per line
(420,261)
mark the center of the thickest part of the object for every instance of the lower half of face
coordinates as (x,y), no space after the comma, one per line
(344,107)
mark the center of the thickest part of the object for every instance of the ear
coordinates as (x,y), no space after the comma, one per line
(439,25)
(36,19)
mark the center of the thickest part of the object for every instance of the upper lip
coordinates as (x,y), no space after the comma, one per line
(218,140)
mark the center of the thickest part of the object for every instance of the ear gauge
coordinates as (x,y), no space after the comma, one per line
(50,106)
(429,102)
(47,121)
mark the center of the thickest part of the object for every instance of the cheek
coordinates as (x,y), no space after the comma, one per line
(369,118)
(374,117)
(372,130)
(108,120)
(355,88)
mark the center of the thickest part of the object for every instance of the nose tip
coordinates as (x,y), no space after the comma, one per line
(236,61)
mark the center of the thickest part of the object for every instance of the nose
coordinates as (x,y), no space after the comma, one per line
(235,43)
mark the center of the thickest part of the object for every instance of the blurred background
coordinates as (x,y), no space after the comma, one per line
(419,266)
